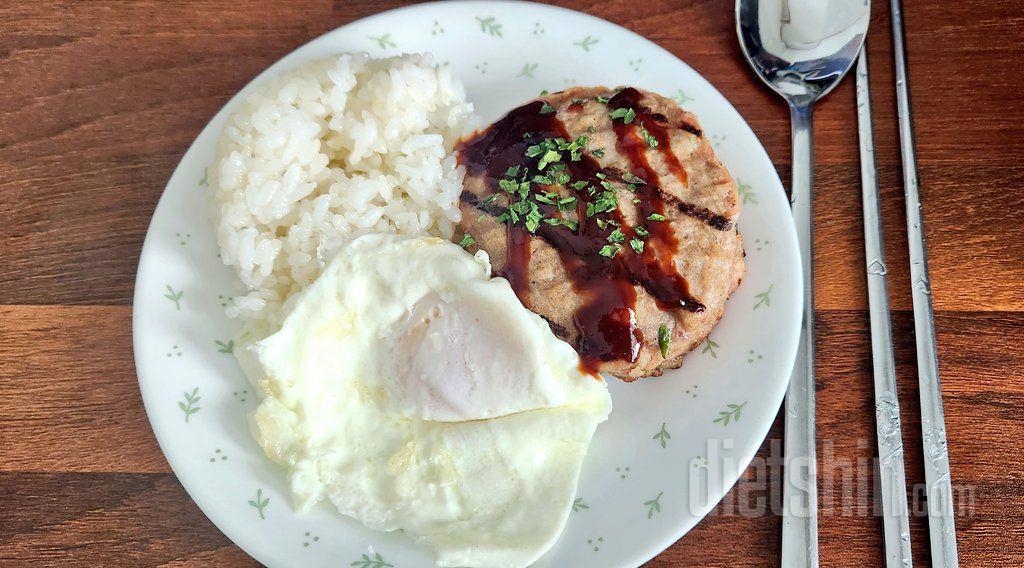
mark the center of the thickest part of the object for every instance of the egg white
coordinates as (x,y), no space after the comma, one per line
(415,392)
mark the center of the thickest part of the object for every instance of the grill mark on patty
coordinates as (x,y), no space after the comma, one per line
(712,219)
(691,129)
(559,331)
(703,214)
(663,120)
(629,97)
(491,210)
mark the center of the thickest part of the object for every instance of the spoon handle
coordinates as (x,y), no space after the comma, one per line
(887,407)
(800,486)
(941,529)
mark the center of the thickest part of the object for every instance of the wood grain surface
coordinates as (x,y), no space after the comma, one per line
(100,99)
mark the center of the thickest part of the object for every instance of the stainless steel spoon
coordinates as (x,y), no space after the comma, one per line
(801,49)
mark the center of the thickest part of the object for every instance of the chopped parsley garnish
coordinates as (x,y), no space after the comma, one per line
(642,231)
(547,158)
(527,210)
(544,92)
(602,100)
(651,140)
(600,175)
(655,217)
(467,240)
(533,221)
(609,250)
(481,217)
(591,129)
(555,221)
(636,200)
(605,201)
(663,339)
(628,177)
(637,245)
(547,109)
(626,114)
(598,152)
(616,236)
(527,183)
(576,148)
(547,197)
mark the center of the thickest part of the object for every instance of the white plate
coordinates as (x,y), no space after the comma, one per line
(641,489)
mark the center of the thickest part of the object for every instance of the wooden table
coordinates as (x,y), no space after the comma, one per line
(99,100)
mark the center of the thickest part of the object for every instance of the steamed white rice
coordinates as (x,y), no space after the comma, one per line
(336,148)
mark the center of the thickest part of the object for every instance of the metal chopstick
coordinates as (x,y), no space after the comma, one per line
(887,408)
(941,528)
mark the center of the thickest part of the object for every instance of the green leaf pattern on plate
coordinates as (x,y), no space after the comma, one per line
(489,26)
(587,42)
(376,562)
(681,97)
(654,505)
(223,347)
(709,347)
(174,296)
(260,503)
(384,41)
(725,417)
(528,69)
(662,436)
(190,404)
(764,298)
(746,194)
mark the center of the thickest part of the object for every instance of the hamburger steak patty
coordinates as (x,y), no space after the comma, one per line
(611,217)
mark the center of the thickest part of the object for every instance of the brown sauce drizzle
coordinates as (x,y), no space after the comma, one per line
(606,317)
(517,263)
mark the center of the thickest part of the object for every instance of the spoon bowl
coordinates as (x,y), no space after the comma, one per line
(801,49)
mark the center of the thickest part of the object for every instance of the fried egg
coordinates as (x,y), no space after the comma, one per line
(415,392)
